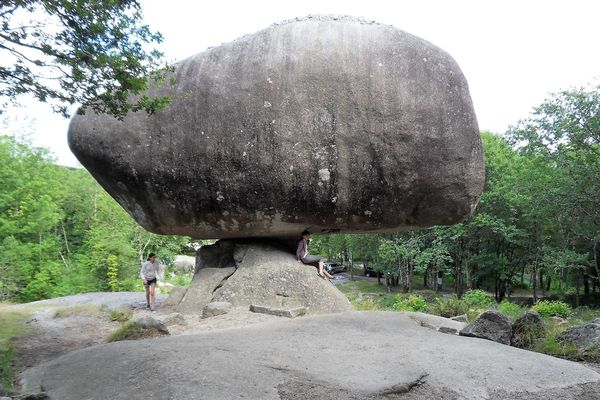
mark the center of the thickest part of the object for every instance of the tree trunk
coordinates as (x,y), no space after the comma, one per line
(534,282)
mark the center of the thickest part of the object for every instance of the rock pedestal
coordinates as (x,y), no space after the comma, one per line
(256,272)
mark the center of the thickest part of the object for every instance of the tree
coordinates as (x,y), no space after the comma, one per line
(88,52)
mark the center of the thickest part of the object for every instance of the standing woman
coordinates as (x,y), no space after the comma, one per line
(149,272)
(303,256)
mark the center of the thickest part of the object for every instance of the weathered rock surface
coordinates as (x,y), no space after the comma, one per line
(526,329)
(280,312)
(585,337)
(257,272)
(201,290)
(382,353)
(330,124)
(183,264)
(491,325)
(216,308)
(151,323)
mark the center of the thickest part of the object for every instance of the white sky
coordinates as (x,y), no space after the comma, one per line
(513,53)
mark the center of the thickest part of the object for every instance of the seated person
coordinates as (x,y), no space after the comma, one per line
(303,256)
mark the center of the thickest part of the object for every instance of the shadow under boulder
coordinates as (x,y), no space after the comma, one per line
(255,272)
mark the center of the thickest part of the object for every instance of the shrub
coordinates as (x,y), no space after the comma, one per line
(413,303)
(451,307)
(511,310)
(388,302)
(556,308)
(131,331)
(478,298)
(121,314)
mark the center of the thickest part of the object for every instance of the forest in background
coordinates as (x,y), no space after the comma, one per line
(536,226)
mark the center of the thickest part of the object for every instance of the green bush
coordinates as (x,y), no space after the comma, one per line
(413,303)
(131,331)
(556,308)
(511,310)
(121,314)
(388,302)
(478,298)
(451,307)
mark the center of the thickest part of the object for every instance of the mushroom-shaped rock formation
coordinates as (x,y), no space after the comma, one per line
(334,124)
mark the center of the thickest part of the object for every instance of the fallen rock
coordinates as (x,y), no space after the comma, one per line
(280,312)
(585,337)
(174,319)
(330,124)
(151,323)
(558,321)
(491,325)
(445,329)
(216,308)
(460,318)
(527,329)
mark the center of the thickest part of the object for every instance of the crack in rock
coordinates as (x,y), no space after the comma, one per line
(223,281)
(406,387)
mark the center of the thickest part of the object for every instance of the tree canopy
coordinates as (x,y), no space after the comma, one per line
(93,53)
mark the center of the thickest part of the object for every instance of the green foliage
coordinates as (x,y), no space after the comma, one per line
(61,234)
(13,324)
(478,298)
(548,309)
(414,303)
(93,53)
(112,273)
(451,307)
(511,310)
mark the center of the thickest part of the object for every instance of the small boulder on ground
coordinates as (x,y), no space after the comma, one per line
(584,337)
(526,329)
(460,318)
(491,325)
(216,308)
(280,312)
(151,323)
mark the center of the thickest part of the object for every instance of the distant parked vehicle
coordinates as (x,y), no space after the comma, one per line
(368,270)
(334,268)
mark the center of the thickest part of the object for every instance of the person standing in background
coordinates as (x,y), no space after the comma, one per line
(149,273)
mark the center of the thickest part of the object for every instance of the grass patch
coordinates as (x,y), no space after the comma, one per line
(553,347)
(362,286)
(131,331)
(120,314)
(13,324)
(82,309)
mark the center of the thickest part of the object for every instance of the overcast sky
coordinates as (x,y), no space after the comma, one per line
(512,53)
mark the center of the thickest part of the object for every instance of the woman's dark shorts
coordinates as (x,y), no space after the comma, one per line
(150,282)
(312,260)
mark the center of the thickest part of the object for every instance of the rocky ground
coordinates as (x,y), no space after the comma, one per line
(356,355)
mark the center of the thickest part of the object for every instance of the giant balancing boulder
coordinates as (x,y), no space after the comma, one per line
(334,124)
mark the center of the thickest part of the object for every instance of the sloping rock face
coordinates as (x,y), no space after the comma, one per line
(384,355)
(330,124)
(256,272)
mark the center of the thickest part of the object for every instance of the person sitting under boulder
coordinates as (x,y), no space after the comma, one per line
(304,257)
